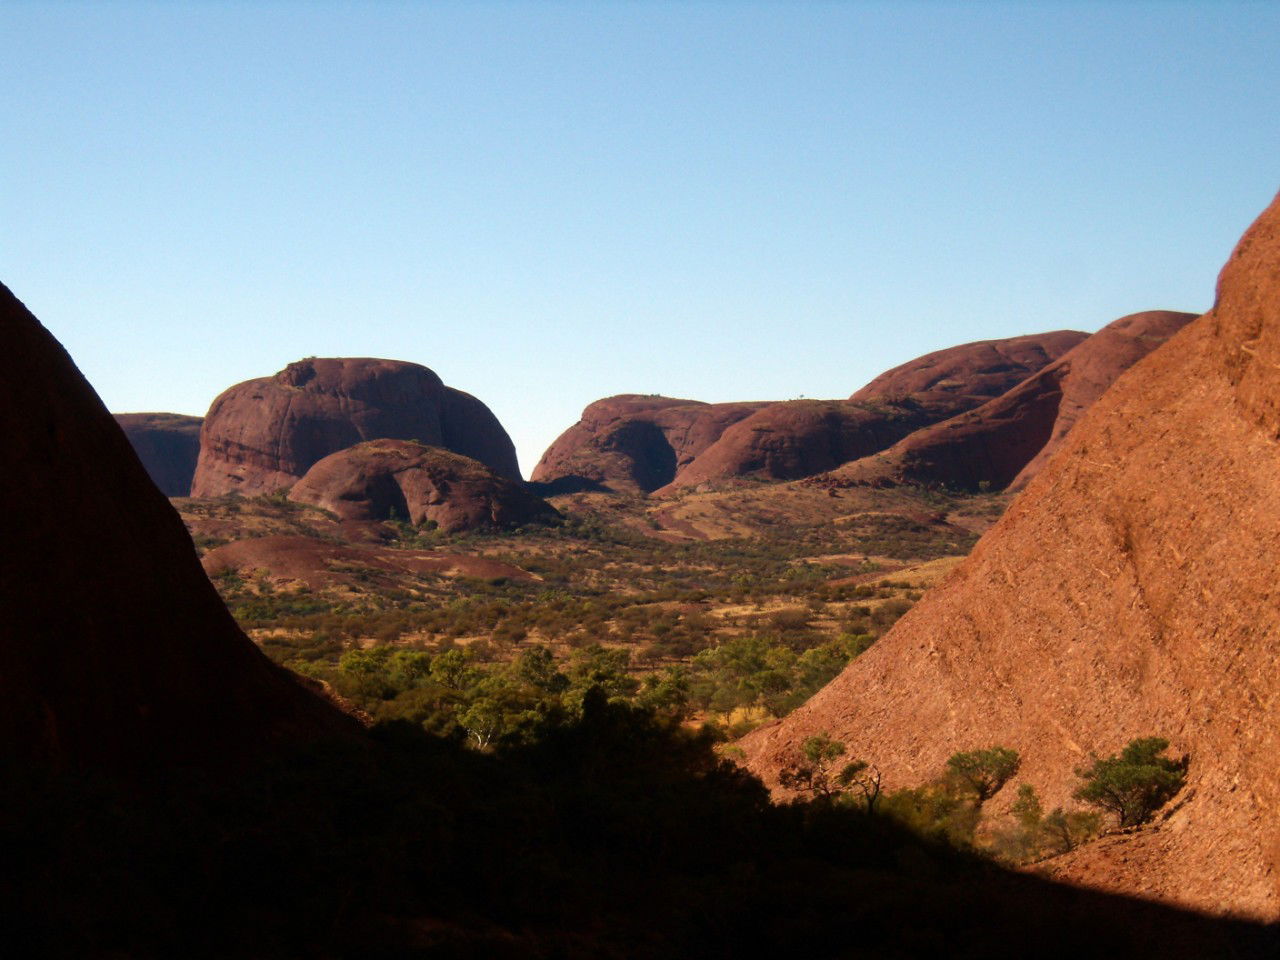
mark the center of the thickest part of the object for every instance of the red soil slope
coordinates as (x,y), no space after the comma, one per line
(1129,591)
(263,435)
(114,647)
(373,480)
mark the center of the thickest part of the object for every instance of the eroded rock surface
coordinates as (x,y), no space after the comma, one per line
(263,435)
(1129,591)
(382,479)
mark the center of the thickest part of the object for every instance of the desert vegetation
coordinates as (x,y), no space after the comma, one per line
(951,808)
(724,633)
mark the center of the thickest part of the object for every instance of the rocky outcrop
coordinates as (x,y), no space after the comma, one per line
(1006,441)
(652,444)
(168,444)
(798,438)
(1129,591)
(263,435)
(382,479)
(985,368)
(115,648)
(634,444)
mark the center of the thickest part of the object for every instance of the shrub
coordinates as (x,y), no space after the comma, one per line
(984,771)
(1134,784)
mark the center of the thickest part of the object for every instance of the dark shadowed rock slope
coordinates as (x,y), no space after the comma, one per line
(1006,441)
(263,435)
(168,444)
(1129,591)
(384,478)
(114,647)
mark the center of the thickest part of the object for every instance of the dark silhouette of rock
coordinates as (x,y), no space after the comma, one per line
(168,444)
(263,435)
(1128,591)
(986,368)
(1006,441)
(115,648)
(633,443)
(382,479)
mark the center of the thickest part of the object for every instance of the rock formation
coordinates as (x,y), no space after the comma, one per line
(1127,592)
(647,444)
(1006,441)
(168,444)
(262,435)
(799,438)
(986,368)
(381,479)
(634,444)
(115,648)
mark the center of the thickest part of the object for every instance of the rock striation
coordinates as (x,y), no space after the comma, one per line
(1127,592)
(382,479)
(1006,441)
(115,649)
(634,444)
(168,444)
(262,435)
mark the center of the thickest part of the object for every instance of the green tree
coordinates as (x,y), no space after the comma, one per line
(865,778)
(984,771)
(1134,784)
(815,772)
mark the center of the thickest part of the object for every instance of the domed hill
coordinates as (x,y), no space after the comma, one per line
(1129,591)
(986,368)
(262,435)
(384,478)
(115,650)
(799,438)
(1006,441)
(634,444)
(168,445)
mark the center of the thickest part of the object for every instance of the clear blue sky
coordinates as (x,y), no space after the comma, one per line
(551,203)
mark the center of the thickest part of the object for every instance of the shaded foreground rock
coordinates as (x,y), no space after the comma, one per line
(168,444)
(115,648)
(1128,592)
(262,435)
(382,479)
(1006,441)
